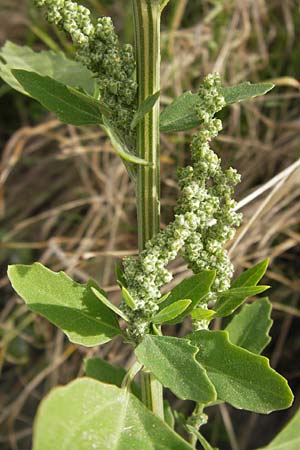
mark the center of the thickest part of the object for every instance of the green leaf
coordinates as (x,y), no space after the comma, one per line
(229,301)
(101,370)
(65,303)
(242,379)
(251,276)
(171,312)
(120,146)
(89,415)
(103,298)
(245,91)
(73,108)
(172,361)
(164,297)
(144,108)
(128,298)
(194,288)
(289,437)
(46,63)
(202,314)
(250,327)
(181,115)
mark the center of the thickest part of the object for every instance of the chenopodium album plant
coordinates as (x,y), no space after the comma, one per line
(117,88)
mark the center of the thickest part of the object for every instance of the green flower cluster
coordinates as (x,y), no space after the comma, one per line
(204,220)
(98,48)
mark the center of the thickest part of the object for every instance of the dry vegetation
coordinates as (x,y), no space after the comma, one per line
(65,198)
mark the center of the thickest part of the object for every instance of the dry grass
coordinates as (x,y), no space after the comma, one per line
(66,201)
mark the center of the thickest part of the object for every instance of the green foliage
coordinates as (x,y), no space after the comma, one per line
(172,361)
(181,114)
(70,306)
(289,437)
(127,298)
(203,314)
(250,327)
(101,295)
(194,288)
(45,63)
(98,416)
(70,106)
(204,366)
(242,379)
(230,300)
(171,312)
(120,145)
(251,276)
(101,370)
(144,108)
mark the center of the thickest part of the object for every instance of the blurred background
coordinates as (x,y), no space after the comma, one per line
(66,200)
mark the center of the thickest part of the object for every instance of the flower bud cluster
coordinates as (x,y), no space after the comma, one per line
(204,220)
(98,48)
(210,197)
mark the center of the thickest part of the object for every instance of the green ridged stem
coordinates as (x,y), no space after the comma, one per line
(146,15)
(147,39)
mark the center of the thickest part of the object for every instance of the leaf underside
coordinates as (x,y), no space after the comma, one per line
(46,63)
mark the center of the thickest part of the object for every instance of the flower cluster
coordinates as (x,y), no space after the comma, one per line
(204,220)
(98,48)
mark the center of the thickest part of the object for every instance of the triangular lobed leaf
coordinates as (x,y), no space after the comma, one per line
(97,416)
(70,306)
(250,328)
(194,288)
(172,361)
(242,379)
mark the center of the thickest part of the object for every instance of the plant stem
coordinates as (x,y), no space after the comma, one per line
(147,38)
(147,42)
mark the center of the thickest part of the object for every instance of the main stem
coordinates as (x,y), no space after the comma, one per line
(147,43)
